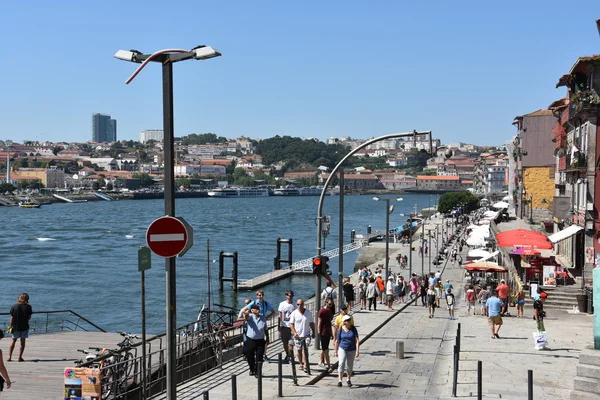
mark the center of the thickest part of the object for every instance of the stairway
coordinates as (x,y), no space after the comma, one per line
(562,297)
(586,385)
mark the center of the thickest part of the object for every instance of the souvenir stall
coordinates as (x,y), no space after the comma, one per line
(545,271)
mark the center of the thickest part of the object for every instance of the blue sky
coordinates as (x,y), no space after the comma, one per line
(462,69)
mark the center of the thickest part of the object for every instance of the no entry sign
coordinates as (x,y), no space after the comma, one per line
(169,236)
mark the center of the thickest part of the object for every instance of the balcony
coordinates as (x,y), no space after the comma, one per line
(584,100)
(577,163)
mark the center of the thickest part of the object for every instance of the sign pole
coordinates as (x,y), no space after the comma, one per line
(144,263)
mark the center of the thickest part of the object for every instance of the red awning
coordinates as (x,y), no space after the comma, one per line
(523,238)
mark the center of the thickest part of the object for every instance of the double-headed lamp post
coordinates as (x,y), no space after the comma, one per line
(388,211)
(167,57)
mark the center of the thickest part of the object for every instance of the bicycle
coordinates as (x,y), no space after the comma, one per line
(117,367)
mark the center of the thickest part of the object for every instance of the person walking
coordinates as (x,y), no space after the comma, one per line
(431,301)
(503,290)
(539,313)
(372,293)
(328,293)
(414,288)
(362,292)
(256,333)
(450,303)
(302,326)
(520,303)
(3,371)
(400,289)
(347,347)
(381,288)
(389,292)
(242,317)
(484,295)
(266,310)
(337,324)
(20,314)
(494,306)
(423,292)
(286,308)
(348,289)
(470,297)
(325,333)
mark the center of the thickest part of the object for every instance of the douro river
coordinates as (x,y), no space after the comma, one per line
(83,256)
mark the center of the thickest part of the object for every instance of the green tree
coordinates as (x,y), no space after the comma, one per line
(145,179)
(449,201)
(185,182)
(101,181)
(57,149)
(7,187)
(109,186)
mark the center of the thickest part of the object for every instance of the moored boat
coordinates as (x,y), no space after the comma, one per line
(238,192)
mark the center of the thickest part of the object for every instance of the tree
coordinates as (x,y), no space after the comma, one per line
(57,149)
(185,182)
(145,179)
(449,201)
(7,187)
(109,186)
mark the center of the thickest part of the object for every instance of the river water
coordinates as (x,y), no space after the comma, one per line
(83,256)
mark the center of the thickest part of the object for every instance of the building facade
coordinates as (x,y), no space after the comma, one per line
(577,197)
(104,128)
(157,135)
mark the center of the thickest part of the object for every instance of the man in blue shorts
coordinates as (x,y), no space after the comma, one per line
(494,307)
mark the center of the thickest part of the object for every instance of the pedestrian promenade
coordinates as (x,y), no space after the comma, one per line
(426,370)
(378,373)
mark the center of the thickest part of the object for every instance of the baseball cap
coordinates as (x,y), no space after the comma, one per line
(543,295)
(390,278)
(502,281)
(346,318)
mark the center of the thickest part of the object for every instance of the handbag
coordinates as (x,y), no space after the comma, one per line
(9,329)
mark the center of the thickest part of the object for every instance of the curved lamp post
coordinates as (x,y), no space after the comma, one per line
(388,211)
(413,134)
(167,57)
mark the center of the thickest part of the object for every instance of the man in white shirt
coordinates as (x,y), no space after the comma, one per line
(302,326)
(286,308)
(389,292)
(328,293)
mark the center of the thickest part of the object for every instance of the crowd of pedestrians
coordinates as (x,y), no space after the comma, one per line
(298,326)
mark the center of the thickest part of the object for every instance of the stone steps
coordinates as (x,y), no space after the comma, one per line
(586,384)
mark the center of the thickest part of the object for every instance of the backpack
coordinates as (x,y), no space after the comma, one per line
(329,294)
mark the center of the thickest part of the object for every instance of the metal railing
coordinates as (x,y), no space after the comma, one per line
(57,321)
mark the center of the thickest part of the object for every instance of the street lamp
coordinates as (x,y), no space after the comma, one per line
(167,57)
(8,144)
(388,211)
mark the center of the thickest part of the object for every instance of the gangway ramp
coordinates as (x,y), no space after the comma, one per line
(67,200)
(303,266)
(102,196)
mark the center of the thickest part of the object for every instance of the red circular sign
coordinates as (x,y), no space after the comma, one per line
(166,236)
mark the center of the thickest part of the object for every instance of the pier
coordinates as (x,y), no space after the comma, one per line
(303,266)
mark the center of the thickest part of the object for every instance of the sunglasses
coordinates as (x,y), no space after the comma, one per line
(289,295)
(260,295)
(299,304)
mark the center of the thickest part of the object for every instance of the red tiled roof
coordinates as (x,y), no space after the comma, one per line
(438,177)
(538,113)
